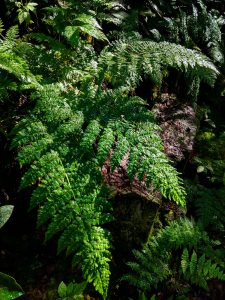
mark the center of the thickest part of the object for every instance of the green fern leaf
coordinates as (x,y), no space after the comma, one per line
(96,263)
(185,260)
(122,148)
(48,163)
(34,151)
(90,135)
(106,141)
(193,262)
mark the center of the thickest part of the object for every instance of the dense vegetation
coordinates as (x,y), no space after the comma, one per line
(112,120)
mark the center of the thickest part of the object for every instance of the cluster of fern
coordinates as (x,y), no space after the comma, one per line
(181,253)
(81,86)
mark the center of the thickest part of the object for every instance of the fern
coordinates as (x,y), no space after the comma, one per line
(148,270)
(17,66)
(69,191)
(182,233)
(145,152)
(199,270)
(12,63)
(127,62)
(1,27)
(157,261)
(83,115)
(105,144)
(192,25)
(68,186)
(65,161)
(91,133)
(27,131)
(202,27)
(10,38)
(96,264)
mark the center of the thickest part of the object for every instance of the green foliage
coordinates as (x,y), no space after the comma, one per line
(193,24)
(209,204)
(9,41)
(145,159)
(181,233)
(1,27)
(24,11)
(201,29)
(71,291)
(83,211)
(14,68)
(5,214)
(65,164)
(8,294)
(211,158)
(158,260)
(128,61)
(9,288)
(149,269)
(82,19)
(199,270)
(84,112)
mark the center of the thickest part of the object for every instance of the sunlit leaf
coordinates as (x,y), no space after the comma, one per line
(5,213)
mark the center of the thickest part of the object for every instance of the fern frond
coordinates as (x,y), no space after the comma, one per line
(1,27)
(18,67)
(95,259)
(90,136)
(71,127)
(143,146)
(182,233)
(13,62)
(126,62)
(71,202)
(148,270)
(89,25)
(122,148)
(199,270)
(10,38)
(34,151)
(156,261)
(53,43)
(60,221)
(185,260)
(48,163)
(193,262)
(106,141)
(28,130)
(199,28)
(55,108)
